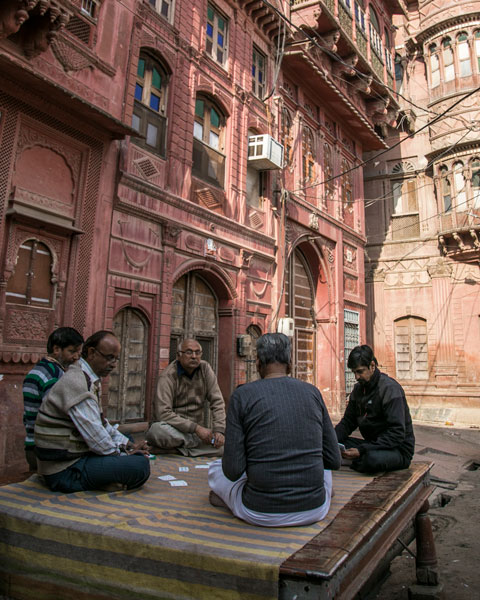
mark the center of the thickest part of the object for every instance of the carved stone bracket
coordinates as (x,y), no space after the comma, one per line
(346,68)
(33,24)
(363,85)
(171,234)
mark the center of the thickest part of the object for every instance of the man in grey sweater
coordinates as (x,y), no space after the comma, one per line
(280,446)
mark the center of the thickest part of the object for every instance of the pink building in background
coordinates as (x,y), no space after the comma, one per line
(174,168)
(423,217)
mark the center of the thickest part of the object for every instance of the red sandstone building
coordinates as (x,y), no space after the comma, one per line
(174,168)
(423,218)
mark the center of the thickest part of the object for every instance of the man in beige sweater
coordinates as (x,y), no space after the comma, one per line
(187,391)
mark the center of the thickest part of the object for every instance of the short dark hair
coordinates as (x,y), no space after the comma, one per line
(94,340)
(361,356)
(63,337)
(274,348)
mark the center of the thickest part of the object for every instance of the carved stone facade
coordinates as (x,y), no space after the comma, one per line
(127,191)
(423,218)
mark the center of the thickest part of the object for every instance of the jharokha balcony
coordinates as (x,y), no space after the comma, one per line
(347,48)
(33,24)
(459,237)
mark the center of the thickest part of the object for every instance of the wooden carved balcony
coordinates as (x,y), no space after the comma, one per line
(33,24)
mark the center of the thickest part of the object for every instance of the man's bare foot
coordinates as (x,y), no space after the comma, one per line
(216,500)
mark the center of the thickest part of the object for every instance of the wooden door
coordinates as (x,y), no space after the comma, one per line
(299,304)
(126,398)
(195,315)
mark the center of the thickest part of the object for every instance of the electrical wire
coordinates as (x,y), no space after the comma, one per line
(382,152)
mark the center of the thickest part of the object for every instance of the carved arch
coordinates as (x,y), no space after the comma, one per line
(220,281)
(403,167)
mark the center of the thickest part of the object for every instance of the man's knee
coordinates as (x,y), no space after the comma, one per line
(375,461)
(139,466)
(164,436)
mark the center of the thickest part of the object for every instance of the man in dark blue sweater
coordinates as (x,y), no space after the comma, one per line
(280,446)
(378,407)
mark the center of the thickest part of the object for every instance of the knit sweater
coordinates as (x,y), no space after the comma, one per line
(58,442)
(181,399)
(279,432)
(36,385)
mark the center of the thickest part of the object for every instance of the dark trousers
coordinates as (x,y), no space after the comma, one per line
(374,461)
(93,472)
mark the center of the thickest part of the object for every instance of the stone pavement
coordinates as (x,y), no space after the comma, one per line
(454,514)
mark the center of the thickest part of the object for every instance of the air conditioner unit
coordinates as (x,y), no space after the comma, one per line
(264,152)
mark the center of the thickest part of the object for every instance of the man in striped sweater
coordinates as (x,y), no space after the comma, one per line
(64,347)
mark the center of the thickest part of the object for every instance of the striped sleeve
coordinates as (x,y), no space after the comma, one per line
(35,386)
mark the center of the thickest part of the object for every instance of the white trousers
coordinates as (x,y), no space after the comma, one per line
(231,493)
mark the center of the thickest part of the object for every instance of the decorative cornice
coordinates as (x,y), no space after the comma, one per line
(187,206)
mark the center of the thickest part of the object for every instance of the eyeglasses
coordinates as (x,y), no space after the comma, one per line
(191,352)
(108,357)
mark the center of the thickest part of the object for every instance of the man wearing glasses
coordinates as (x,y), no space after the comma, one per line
(77,448)
(187,391)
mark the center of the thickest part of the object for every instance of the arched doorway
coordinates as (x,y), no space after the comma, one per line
(126,397)
(300,305)
(195,315)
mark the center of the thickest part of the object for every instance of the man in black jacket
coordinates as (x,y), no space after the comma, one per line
(378,407)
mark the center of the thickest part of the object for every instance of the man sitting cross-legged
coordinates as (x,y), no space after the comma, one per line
(279,446)
(378,407)
(186,390)
(77,448)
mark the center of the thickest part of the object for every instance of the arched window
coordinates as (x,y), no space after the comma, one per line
(216,35)
(463,50)
(434,65)
(460,191)
(208,143)
(163,7)
(447,55)
(375,38)
(308,155)
(149,111)
(477,48)
(445,189)
(287,137)
(259,62)
(31,282)
(411,351)
(475,166)
(388,50)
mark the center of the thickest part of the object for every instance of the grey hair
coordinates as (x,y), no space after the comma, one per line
(274,348)
(182,340)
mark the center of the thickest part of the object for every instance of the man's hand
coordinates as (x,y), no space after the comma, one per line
(351,453)
(204,434)
(219,439)
(141,446)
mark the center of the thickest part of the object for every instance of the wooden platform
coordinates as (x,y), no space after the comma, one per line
(339,561)
(169,542)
